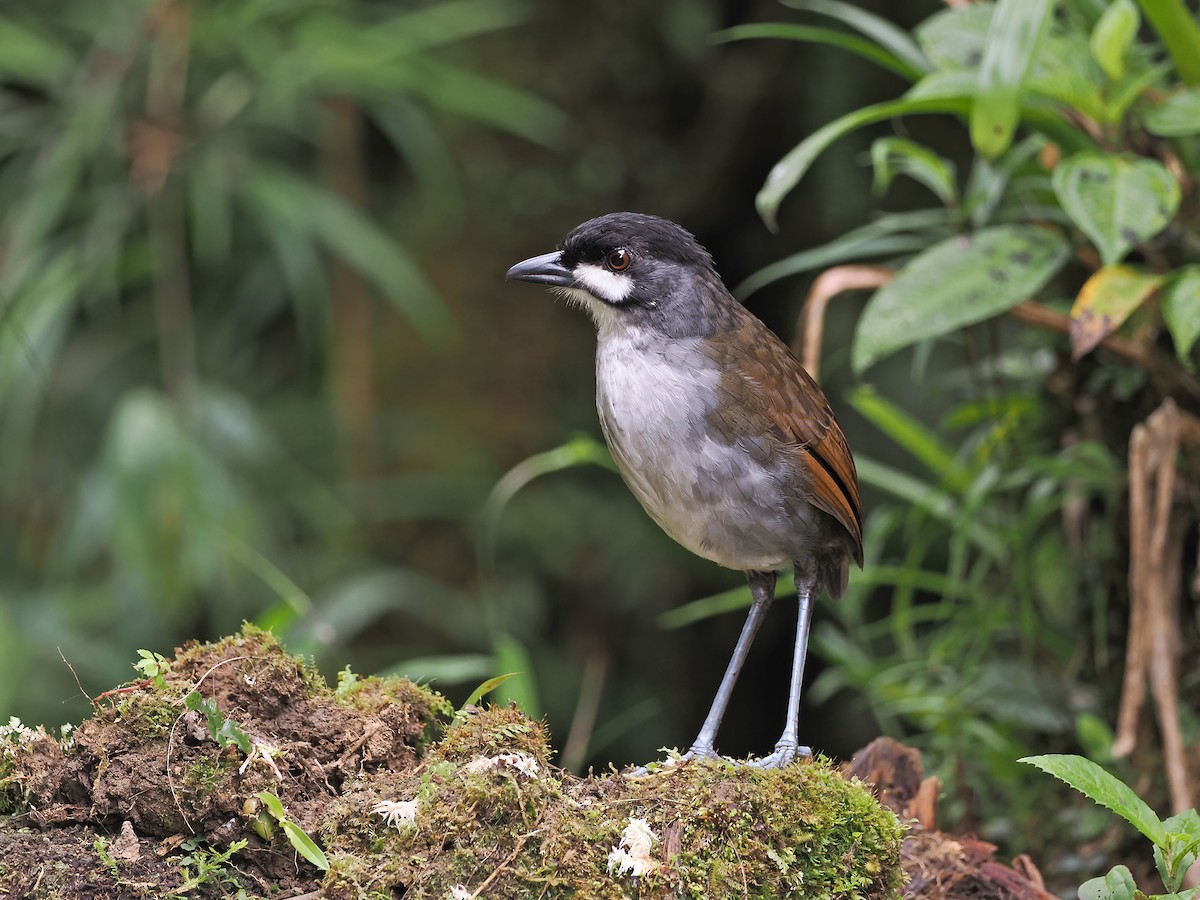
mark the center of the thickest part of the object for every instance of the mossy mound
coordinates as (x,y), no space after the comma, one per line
(151,799)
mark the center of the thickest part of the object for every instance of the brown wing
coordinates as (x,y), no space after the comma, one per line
(802,419)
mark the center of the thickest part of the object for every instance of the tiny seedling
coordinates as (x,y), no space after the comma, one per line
(101,845)
(224,731)
(203,865)
(1176,840)
(299,839)
(486,688)
(154,666)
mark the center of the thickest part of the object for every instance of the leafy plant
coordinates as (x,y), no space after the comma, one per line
(1073,213)
(224,731)
(205,865)
(1176,840)
(297,837)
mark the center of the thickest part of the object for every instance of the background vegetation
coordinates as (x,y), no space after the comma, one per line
(257,360)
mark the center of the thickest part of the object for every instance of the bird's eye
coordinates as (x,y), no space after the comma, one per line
(619,260)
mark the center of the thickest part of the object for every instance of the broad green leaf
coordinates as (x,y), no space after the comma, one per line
(955,37)
(1116,201)
(1104,302)
(1013,41)
(1177,116)
(827,36)
(1099,786)
(892,156)
(304,845)
(273,804)
(1114,35)
(1118,884)
(957,282)
(1065,72)
(1181,309)
(789,170)
(888,35)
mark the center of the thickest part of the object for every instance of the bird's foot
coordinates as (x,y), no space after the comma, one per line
(786,752)
(674,758)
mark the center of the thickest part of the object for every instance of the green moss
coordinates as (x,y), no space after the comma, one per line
(721,830)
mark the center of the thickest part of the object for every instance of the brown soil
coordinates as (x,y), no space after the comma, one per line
(149,798)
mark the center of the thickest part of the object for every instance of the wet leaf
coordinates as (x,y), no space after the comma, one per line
(892,156)
(1177,116)
(1013,39)
(1104,302)
(1116,201)
(1181,308)
(957,282)
(1114,35)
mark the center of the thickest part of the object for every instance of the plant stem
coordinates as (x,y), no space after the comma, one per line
(1179,32)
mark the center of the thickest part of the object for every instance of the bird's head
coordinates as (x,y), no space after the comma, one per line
(631,268)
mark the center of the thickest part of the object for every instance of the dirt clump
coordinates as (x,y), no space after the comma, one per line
(235,770)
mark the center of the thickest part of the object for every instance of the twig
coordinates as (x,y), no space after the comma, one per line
(508,859)
(810,329)
(75,675)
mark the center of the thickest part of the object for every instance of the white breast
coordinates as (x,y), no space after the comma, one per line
(652,395)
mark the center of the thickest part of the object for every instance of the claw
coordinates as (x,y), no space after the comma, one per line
(784,755)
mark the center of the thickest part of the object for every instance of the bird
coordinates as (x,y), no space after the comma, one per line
(719,432)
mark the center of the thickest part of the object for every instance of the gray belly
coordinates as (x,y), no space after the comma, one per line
(724,497)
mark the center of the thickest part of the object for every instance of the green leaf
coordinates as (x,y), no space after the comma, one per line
(487,687)
(1099,786)
(954,38)
(304,845)
(1013,40)
(957,282)
(915,437)
(1177,27)
(1114,35)
(884,33)
(1116,885)
(788,171)
(296,205)
(30,56)
(1116,201)
(892,156)
(1181,309)
(827,36)
(1177,116)
(888,235)
(273,804)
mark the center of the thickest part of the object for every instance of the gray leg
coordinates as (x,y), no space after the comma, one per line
(762,588)
(788,747)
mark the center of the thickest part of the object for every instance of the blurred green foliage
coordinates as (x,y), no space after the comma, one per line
(1002,541)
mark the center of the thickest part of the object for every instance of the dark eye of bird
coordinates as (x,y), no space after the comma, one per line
(619,259)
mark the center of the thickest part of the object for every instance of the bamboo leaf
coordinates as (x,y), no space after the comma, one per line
(1177,27)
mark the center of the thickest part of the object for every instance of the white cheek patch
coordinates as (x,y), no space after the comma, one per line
(611,287)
